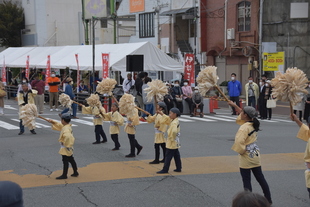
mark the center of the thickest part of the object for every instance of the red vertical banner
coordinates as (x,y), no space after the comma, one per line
(78,72)
(105,65)
(48,70)
(189,68)
(4,72)
(27,68)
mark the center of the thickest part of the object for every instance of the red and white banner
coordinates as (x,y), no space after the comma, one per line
(4,72)
(27,68)
(189,69)
(105,65)
(78,72)
(48,70)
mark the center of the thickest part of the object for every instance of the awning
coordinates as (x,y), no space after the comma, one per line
(177,11)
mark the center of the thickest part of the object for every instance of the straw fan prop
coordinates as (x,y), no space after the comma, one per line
(207,78)
(157,89)
(127,105)
(28,115)
(287,85)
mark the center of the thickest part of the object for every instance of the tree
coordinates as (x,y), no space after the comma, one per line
(11,24)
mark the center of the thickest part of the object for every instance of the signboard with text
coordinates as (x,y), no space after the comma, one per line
(105,65)
(189,69)
(273,61)
(136,6)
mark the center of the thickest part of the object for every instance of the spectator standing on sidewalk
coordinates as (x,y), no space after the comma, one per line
(234,88)
(187,94)
(53,83)
(39,85)
(69,92)
(251,93)
(128,83)
(2,97)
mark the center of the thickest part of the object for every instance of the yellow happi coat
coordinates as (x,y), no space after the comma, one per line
(172,141)
(242,139)
(134,120)
(304,134)
(116,120)
(160,128)
(66,138)
(95,111)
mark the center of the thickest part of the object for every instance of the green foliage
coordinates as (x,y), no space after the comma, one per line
(11,24)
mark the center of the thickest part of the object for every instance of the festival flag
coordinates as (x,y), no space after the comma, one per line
(27,68)
(4,72)
(189,69)
(105,65)
(48,70)
(78,72)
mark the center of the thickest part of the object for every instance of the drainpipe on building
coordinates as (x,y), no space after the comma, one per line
(225,29)
(260,35)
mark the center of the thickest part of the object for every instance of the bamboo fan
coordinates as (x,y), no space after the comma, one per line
(207,78)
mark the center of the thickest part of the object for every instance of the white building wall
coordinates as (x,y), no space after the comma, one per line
(58,22)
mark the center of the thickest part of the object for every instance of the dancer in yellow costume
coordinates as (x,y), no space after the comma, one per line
(304,134)
(160,130)
(116,120)
(245,145)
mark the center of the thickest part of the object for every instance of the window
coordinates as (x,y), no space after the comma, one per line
(146,25)
(244,16)
(104,23)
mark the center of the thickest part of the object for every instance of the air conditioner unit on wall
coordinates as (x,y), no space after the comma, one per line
(231,34)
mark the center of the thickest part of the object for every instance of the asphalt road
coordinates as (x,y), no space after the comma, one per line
(209,177)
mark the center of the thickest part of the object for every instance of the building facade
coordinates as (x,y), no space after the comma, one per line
(287,23)
(58,23)
(230,37)
(169,24)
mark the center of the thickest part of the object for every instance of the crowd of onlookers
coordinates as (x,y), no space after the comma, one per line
(177,94)
(257,96)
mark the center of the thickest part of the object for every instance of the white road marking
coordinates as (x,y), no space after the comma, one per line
(8,126)
(18,120)
(82,122)
(221,119)
(283,120)
(9,107)
(199,119)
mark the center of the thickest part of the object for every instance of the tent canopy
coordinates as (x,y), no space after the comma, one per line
(64,56)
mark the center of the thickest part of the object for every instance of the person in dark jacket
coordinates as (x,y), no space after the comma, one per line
(177,95)
(69,92)
(234,88)
(262,101)
(138,86)
(168,98)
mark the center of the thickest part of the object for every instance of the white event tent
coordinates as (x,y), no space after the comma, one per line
(64,56)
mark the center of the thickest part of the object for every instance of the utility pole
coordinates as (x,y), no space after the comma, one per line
(260,35)
(114,17)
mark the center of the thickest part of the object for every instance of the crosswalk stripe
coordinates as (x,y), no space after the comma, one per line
(185,120)
(227,117)
(221,119)
(8,126)
(287,121)
(43,125)
(199,119)
(270,121)
(18,120)
(59,121)
(82,122)
(9,107)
